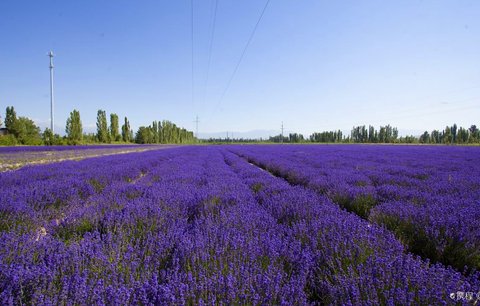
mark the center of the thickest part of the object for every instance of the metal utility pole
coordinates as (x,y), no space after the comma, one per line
(196,126)
(50,54)
(281,139)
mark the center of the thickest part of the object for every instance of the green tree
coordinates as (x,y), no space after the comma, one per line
(144,135)
(382,135)
(473,137)
(10,118)
(371,134)
(394,134)
(126,133)
(114,134)
(425,137)
(462,135)
(454,132)
(74,128)
(102,127)
(161,132)
(155,130)
(447,135)
(295,138)
(47,137)
(26,132)
(388,134)
(435,137)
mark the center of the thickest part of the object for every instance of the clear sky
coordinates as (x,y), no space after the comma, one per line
(315,65)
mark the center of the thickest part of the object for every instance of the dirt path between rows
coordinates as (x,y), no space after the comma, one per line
(17,160)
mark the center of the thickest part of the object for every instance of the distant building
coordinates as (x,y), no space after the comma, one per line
(3,131)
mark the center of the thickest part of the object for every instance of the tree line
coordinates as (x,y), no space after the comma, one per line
(22,130)
(387,134)
(163,132)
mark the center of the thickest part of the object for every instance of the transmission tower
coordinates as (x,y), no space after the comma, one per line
(50,54)
(281,137)
(196,126)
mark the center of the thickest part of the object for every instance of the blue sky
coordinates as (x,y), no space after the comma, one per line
(315,65)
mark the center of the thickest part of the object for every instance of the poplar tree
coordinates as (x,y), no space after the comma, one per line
(114,134)
(10,118)
(126,133)
(102,127)
(74,128)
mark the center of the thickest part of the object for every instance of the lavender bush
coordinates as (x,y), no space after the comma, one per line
(427,195)
(197,225)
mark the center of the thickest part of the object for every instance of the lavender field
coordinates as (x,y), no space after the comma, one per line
(16,157)
(254,225)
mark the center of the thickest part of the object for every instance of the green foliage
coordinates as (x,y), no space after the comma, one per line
(474,134)
(418,241)
(295,138)
(170,133)
(447,135)
(74,128)
(386,134)
(74,232)
(435,137)
(126,134)
(48,137)
(11,117)
(102,127)
(25,131)
(8,140)
(408,139)
(462,136)
(144,135)
(424,138)
(277,139)
(331,136)
(453,130)
(360,205)
(60,141)
(22,130)
(10,222)
(156,132)
(114,134)
(163,132)
(97,185)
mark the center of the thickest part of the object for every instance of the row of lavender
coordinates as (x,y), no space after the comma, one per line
(429,196)
(17,157)
(195,225)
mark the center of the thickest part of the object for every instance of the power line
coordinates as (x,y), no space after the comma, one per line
(212,35)
(242,56)
(191,32)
